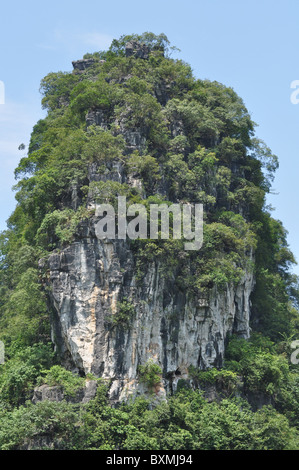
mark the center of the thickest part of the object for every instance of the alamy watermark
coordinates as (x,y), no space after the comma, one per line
(295,94)
(2,93)
(1,352)
(295,354)
(177,221)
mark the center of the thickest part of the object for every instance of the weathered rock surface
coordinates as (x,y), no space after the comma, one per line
(55,393)
(87,281)
(137,49)
(82,64)
(97,117)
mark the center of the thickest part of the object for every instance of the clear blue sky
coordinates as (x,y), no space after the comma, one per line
(251,46)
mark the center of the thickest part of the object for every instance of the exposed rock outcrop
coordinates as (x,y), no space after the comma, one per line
(97,117)
(91,277)
(55,393)
(82,64)
(137,49)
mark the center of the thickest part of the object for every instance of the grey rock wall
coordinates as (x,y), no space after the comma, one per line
(87,281)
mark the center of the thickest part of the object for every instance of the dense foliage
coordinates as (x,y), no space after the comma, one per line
(185,422)
(197,143)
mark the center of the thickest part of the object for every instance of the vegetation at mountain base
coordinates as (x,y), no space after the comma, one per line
(197,143)
(185,422)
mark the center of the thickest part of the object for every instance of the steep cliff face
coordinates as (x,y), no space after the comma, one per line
(135,122)
(88,281)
